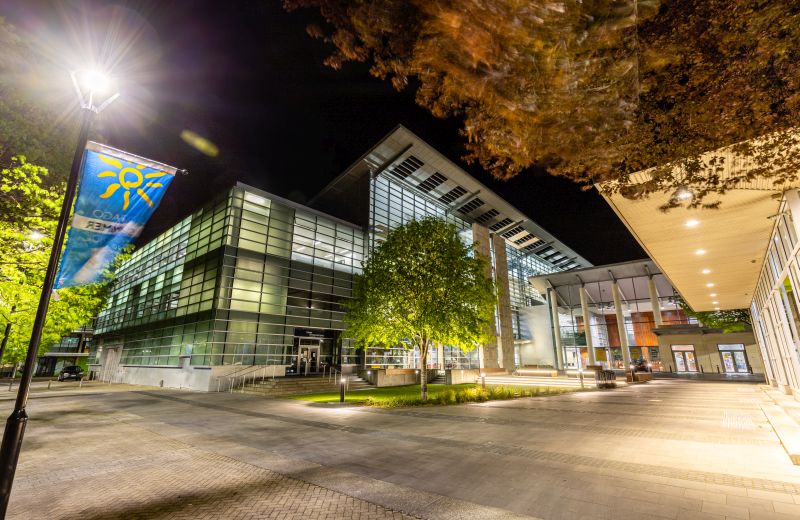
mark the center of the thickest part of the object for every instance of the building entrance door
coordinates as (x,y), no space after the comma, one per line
(734,359)
(684,358)
(308,357)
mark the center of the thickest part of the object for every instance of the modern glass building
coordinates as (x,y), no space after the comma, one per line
(256,280)
(618,314)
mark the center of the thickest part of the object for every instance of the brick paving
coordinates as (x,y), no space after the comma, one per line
(64,474)
(668,450)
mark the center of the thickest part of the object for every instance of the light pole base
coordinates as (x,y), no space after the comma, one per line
(9,454)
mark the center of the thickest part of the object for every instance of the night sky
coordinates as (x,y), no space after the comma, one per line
(245,75)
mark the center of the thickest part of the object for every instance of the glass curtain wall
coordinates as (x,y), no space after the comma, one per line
(637,314)
(239,282)
(774,310)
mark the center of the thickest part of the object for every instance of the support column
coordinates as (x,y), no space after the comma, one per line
(482,241)
(553,297)
(587,326)
(623,334)
(651,288)
(505,340)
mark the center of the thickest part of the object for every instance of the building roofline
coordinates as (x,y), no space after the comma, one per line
(292,204)
(359,166)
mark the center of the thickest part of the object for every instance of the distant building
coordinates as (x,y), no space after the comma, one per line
(253,279)
(71,350)
(632,313)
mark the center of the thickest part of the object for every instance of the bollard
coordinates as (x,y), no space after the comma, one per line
(483,381)
(341,390)
(580,374)
(49,383)
(80,383)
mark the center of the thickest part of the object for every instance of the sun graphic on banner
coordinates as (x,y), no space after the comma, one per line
(131,179)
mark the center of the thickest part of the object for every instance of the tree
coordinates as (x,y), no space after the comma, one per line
(30,214)
(594,90)
(422,287)
(733,320)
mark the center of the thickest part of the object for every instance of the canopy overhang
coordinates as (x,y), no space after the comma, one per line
(713,257)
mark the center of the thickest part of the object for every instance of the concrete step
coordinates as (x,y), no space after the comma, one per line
(302,385)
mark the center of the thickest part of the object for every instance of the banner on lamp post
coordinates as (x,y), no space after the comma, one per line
(118,193)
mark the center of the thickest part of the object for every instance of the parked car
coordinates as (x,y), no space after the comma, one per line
(71,372)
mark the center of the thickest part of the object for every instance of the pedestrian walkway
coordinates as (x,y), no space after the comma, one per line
(663,450)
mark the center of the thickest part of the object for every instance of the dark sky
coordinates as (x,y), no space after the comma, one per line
(245,75)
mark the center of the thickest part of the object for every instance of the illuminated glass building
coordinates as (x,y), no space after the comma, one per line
(633,313)
(256,280)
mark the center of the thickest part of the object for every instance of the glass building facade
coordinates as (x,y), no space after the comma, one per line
(775,308)
(253,279)
(242,281)
(636,313)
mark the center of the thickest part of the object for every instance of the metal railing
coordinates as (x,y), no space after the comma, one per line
(239,378)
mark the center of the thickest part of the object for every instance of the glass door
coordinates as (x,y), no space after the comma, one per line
(572,357)
(684,358)
(308,361)
(734,359)
(680,363)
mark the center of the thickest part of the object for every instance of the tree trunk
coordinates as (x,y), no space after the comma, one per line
(423,370)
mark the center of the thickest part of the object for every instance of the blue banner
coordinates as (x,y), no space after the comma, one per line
(117,195)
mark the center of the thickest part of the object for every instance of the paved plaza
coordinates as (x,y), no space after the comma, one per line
(664,450)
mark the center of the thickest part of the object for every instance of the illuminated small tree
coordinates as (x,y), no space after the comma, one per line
(422,287)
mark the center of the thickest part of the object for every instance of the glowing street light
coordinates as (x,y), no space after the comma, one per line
(95,93)
(95,81)
(683,193)
(36,235)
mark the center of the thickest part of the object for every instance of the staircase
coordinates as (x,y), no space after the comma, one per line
(296,385)
(440,379)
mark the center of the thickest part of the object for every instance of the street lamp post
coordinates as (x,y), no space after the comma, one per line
(14,431)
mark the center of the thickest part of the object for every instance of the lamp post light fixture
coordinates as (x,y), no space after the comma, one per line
(95,92)
(683,193)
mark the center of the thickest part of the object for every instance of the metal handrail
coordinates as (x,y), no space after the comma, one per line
(244,373)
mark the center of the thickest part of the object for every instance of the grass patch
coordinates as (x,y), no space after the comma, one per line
(397,396)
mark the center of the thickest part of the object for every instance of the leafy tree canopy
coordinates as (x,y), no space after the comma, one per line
(30,214)
(594,89)
(423,286)
(735,320)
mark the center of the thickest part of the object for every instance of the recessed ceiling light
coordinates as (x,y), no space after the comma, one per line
(715,302)
(705,271)
(709,285)
(700,252)
(692,223)
(716,308)
(713,294)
